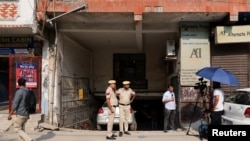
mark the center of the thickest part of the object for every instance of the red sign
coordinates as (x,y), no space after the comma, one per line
(28,72)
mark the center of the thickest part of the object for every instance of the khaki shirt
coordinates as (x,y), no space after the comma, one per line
(125,95)
(111,94)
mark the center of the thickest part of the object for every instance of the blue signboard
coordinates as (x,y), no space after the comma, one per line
(15,45)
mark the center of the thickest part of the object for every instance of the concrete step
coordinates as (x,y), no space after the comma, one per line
(33,122)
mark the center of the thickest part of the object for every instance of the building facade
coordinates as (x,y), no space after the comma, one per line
(151,43)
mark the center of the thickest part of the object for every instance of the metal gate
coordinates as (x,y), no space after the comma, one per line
(18,68)
(74,104)
(234,58)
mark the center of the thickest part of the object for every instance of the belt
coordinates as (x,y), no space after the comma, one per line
(114,105)
(124,104)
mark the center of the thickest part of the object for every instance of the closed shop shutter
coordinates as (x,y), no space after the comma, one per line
(234,58)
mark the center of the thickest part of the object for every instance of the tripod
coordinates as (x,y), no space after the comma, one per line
(202,128)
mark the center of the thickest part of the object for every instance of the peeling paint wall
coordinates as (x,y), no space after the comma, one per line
(45,80)
(73,61)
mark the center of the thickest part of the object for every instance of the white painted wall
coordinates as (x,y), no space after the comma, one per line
(76,60)
(71,59)
(26,13)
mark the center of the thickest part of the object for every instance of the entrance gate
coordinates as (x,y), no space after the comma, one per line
(74,102)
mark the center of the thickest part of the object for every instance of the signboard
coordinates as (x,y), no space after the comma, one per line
(232,34)
(27,42)
(80,93)
(194,50)
(16,45)
(28,72)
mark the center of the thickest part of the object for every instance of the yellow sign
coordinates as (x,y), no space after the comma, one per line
(81,94)
(232,34)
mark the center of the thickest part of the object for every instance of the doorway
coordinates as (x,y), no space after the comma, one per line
(4,73)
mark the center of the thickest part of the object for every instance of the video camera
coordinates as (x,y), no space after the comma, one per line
(201,85)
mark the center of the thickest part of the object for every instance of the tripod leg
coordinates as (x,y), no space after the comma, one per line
(192,115)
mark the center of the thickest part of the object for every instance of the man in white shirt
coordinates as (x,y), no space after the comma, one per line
(168,100)
(218,100)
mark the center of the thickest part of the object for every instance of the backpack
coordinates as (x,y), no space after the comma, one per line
(203,131)
(31,102)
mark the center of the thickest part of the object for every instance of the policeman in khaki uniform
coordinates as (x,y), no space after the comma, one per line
(126,96)
(112,103)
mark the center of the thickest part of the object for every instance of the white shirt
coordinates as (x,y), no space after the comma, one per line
(220,93)
(167,96)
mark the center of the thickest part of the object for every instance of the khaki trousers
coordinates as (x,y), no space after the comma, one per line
(19,124)
(124,112)
(110,123)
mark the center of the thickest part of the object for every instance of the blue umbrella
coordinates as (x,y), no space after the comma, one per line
(219,75)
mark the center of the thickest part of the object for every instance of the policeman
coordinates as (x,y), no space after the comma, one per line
(112,103)
(126,96)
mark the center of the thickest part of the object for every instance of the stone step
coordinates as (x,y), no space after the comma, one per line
(48,126)
(33,122)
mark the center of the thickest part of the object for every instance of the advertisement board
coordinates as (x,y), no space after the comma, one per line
(195,51)
(28,72)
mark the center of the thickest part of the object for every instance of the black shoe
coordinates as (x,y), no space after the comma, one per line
(110,138)
(127,133)
(120,134)
(113,136)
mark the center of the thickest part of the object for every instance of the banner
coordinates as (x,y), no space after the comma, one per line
(28,72)
(194,50)
(232,34)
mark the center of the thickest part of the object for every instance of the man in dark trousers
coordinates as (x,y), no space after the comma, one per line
(168,100)
(19,106)
(217,103)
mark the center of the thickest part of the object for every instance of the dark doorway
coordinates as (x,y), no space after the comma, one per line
(4,73)
(149,114)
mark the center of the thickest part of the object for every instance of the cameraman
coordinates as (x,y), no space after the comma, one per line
(217,104)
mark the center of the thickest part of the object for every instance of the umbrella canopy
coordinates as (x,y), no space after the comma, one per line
(219,75)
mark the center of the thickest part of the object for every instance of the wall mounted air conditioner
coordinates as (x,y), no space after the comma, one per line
(170,49)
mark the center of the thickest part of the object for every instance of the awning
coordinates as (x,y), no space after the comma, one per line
(17,29)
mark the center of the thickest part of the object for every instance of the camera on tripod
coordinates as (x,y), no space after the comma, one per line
(201,85)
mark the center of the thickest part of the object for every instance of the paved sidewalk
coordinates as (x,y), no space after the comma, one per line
(88,135)
(7,133)
(4,122)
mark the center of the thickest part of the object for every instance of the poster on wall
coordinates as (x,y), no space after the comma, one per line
(28,72)
(195,51)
